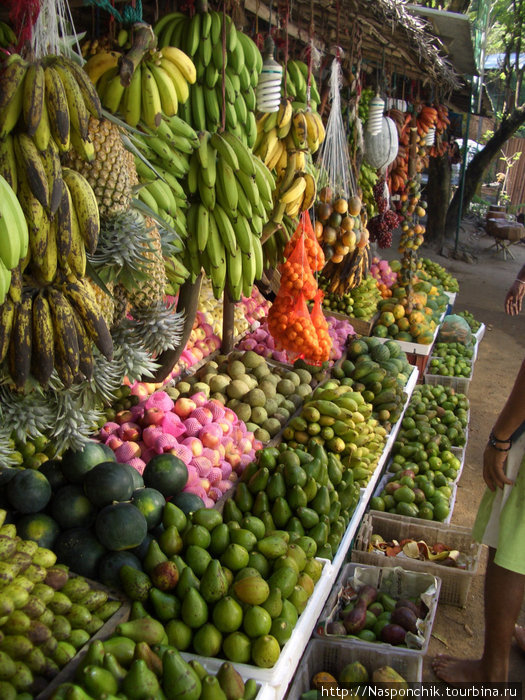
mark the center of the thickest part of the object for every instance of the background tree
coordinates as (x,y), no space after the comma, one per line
(506,37)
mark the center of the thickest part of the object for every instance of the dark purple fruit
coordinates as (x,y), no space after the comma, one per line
(404,603)
(393,634)
(355,621)
(405,617)
(336,627)
(376,609)
(367,594)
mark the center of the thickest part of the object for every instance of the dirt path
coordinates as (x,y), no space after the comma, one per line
(483,286)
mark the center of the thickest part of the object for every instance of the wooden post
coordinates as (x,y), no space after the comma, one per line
(187,302)
(412,155)
(228,325)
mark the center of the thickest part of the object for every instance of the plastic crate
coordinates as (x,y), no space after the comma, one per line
(455,583)
(281,674)
(388,475)
(396,582)
(480,333)
(332,657)
(460,384)
(67,673)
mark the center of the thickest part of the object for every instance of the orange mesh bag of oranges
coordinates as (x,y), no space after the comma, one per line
(313,250)
(324,341)
(291,326)
(296,275)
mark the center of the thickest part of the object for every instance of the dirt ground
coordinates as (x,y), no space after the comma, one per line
(484,281)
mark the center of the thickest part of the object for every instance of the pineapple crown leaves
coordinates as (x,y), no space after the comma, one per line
(123,244)
(27,416)
(108,376)
(157,328)
(73,422)
(8,457)
(138,362)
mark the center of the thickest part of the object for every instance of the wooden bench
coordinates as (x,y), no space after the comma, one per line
(505,233)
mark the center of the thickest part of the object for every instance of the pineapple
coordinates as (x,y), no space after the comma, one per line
(147,288)
(112,174)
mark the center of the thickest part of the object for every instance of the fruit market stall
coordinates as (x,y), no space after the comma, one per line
(185,464)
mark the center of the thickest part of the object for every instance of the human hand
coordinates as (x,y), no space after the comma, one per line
(513,300)
(494,468)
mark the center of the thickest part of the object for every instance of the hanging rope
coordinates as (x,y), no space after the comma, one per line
(130,15)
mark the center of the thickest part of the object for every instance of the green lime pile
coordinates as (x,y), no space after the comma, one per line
(451,360)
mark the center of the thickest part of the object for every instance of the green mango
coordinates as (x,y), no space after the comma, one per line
(122,648)
(261,504)
(140,683)
(137,610)
(295,526)
(243,498)
(194,611)
(259,480)
(296,497)
(211,690)
(213,583)
(335,471)
(319,533)
(145,629)
(170,541)
(276,487)
(186,581)
(93,657)
(281,512)
(207,517)
(180,682)
(267,519)
(310,489)
(173,515)
(249,471)
(154,556)
(165,606)
(321,502)
(220,539)
(231,511)
(313,468)
(112,665)
(308,517)
(135,583)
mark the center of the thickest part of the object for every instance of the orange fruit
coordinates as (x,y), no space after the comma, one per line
(354,206)
(387,318)
(348,223)
(398,311)
(341,205)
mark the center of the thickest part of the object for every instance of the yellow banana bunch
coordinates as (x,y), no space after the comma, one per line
(285,142)
(53,329)
(158,87)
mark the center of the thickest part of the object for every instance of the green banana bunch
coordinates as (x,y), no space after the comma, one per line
(297,86)
(231,196)
(201,38)
(366,181)
(14,237)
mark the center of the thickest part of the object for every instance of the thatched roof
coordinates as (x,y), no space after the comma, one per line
(390,36)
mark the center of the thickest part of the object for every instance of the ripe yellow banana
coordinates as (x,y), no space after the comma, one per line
(151,105)
(101,62)
(58,109)
(33,101)
(295,190)
(167,91)
(12,95)
(78,113)
(182,61)
(85,206)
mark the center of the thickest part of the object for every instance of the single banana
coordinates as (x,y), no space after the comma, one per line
(100,63)
(33,102)
(12,95)
(228,185)
(182,61)
(8,168)
(76,260)
(85,205)
(132,103)
(58,109)
(244,155)
(78,112)
(5,282)
(42,135)
(151,105)
(21,342)
(234,275)
(203,227)
(13,227)
(225,228)
(83,301)
(34,170)
(113,94)
(51,161)
(7,316)
(167,90)
(310,192)
(295,190)
(42,350)
(45,268)
(65,333)
(180,83)
(86,364)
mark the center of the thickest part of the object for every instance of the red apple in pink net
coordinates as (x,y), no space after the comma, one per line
(183,407)
(200,398)
(194,444)
(123,417)
(211,435)
(130,432)
(114,442)
(152,416)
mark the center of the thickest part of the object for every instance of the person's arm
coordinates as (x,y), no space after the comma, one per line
(510,418)
(514,298)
